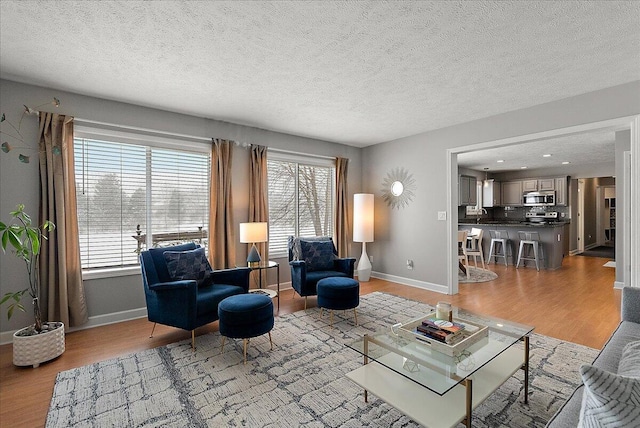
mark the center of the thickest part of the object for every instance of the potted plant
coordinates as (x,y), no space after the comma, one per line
(41,341)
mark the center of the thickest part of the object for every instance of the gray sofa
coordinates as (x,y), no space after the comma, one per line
(627,331)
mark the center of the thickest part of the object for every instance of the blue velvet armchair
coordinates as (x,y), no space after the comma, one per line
(313,259)
(181,302)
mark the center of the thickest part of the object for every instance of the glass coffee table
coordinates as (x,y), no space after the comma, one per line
(436,388)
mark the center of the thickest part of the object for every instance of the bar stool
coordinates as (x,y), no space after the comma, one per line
(532,239)
(499,240)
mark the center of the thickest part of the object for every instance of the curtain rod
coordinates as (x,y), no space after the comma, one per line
(82,121)
(290,152)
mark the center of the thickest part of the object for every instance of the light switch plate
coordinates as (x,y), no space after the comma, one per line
(442,215)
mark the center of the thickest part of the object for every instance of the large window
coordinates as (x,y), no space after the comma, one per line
(301,199)
(134,195)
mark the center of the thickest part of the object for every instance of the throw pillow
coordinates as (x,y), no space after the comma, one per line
(294,244)
(191,264)
(629,364)
(318,255)
(609,399)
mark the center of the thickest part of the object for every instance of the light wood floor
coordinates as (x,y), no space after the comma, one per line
(576,303)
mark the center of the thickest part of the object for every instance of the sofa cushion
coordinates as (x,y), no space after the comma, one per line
(317,255)
(609,357)
(630,361)
(192,264)
(609,399)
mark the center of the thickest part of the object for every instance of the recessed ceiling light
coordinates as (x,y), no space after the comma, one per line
(523,167)
(566,163)
(546,156)
(500,161)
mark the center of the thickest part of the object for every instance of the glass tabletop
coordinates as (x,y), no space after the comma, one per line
(405,352)
(266,264)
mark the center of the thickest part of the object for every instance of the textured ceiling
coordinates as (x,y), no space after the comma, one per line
(357,73)
(580,149)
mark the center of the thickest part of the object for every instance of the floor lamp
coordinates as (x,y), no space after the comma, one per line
(250,233)
(363,231)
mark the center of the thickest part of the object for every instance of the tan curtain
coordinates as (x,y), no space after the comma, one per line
(342,208)
(222,243)
(61,289)
(258,196)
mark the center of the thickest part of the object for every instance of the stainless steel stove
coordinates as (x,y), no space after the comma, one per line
(541,217)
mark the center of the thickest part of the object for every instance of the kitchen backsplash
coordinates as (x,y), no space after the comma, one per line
(512,213)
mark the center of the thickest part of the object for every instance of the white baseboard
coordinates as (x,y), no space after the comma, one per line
(95,321)
(412,282)
(618,285)
(574,252)
(588,247)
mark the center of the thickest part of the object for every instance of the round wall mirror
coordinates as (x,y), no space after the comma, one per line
(397,188)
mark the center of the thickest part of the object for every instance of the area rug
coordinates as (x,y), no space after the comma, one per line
(477,275)
(301,382)
(603,251)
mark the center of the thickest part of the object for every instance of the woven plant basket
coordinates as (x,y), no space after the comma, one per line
(33,350)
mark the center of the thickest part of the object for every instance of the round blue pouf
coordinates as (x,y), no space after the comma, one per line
(338,293)
(243,316)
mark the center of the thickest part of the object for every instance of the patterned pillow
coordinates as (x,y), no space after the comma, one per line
(629,364)
(609,399)
(318,255)
(191,264)
(294,244)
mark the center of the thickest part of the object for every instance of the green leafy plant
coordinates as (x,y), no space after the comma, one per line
(25,240)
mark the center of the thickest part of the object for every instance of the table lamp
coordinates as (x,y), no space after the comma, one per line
(250,233)
(363,231)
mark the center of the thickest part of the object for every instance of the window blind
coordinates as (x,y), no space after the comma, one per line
(131,196)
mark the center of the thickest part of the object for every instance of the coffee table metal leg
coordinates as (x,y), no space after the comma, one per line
(468,384)
(278,279)
(366,361)
(525,367)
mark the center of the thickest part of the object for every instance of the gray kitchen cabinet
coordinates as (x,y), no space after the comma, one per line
(467,194)
(561,191)
(530,185)
(511,193)
(491,194)
(546,184)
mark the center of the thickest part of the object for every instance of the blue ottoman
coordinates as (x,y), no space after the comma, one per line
(338,293)
(244,316)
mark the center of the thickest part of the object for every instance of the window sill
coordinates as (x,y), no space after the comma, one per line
(110,272)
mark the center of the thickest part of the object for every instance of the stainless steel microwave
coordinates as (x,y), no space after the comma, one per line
(539,199)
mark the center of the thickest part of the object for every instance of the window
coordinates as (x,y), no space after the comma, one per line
(301,199)
(132,195)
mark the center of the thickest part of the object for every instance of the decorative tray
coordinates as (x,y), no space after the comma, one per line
(472,333)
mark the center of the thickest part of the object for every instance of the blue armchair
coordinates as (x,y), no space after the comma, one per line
(313,259)
(182,290)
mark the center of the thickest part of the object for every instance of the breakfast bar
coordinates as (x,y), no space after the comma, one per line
(554,238)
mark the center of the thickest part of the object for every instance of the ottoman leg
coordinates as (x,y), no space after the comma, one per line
(222,346)
(321,312)
(355,314)
(331,319)
(244,345)
(305,303)
(270,341)
(193,340)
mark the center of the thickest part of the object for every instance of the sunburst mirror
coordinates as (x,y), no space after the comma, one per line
(398,188)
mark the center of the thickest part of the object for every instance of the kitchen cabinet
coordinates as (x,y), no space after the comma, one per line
(610,220)
(561,191)
(491,194)
(511,193)
(467,190)
(546,184)
(538,184)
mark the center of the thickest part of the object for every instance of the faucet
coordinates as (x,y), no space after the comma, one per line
(482,210)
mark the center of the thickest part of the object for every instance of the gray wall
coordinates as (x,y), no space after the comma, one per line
(414,232)
(19,182)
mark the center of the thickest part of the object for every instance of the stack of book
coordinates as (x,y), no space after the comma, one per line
(443,331)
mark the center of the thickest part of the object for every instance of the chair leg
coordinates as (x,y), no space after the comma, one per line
(305,303)
(535,255)
(153,329)
(321,309)
(222,345)
(193,340)
(331,319)
(244,345)
(270,341)
(355,315)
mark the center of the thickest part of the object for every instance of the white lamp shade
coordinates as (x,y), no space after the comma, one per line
(363,217)
(253,232)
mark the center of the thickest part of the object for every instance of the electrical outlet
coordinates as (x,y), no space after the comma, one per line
(409,264)
(442,215)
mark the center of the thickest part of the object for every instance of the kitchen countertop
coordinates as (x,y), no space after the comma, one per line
(515,223)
